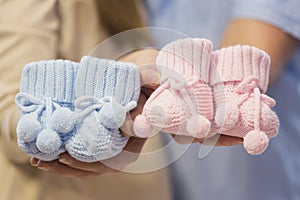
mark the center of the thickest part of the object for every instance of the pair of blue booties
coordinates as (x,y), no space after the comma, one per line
(75,107)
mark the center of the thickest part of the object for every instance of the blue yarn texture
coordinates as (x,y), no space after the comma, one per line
(75,107)
(105,91)
(46,88)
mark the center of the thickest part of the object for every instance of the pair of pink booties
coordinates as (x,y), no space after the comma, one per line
(204,92)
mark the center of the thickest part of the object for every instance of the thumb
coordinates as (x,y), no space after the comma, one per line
(150,76)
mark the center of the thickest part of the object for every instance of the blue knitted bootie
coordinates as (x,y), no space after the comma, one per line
(46,90)
(105,91)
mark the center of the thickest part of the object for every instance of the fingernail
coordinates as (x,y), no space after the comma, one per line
(33,161)
(153,78)
(64,161)
(44,168)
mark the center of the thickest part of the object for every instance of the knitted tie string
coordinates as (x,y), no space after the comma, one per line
(248,88)
(182,85)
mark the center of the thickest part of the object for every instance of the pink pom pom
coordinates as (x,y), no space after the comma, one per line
(198,126)
(256,142)
(227,117)
(141,127)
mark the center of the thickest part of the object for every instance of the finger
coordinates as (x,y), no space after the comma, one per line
(129,155)
(33,161)
(149,76)
(127,128)
(180,139)
(111,165)
(148,90)
(216,140)
(64,170)
(94,167)
(226,140)
(151,86)
(140,106)
(220,140)
(145,60)
(135,145)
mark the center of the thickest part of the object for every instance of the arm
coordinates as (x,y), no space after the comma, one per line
(278,44)
(27,33)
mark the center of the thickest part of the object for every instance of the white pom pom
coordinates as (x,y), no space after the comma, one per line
(62,120)
(28,128)
(48,141)
(198,126)
(256,142)
(112,115)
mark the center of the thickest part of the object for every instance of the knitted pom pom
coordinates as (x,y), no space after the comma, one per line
(62,120)
(28,128)
(198,126)
(142,127)
(112,115)
(227,117)
(256,142)
(48,141)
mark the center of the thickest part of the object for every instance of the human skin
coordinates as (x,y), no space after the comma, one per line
(274,41)
(70,167)
(278,44)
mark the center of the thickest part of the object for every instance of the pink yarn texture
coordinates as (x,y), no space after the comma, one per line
(183,103)
(241,74)
(206,92)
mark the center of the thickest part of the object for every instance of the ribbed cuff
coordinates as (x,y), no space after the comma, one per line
(101,77)
(50,78)
(188,57)
(238,63)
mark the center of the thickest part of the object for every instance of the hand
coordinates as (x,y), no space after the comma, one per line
(145,60)
(70,167)
(150,78)
(215,140)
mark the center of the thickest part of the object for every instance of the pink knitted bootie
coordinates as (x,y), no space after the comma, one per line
(239,78)
(183,103)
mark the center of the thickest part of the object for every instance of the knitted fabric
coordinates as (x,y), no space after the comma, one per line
(239,78)
(183,102)
(45,88)
(105,91)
